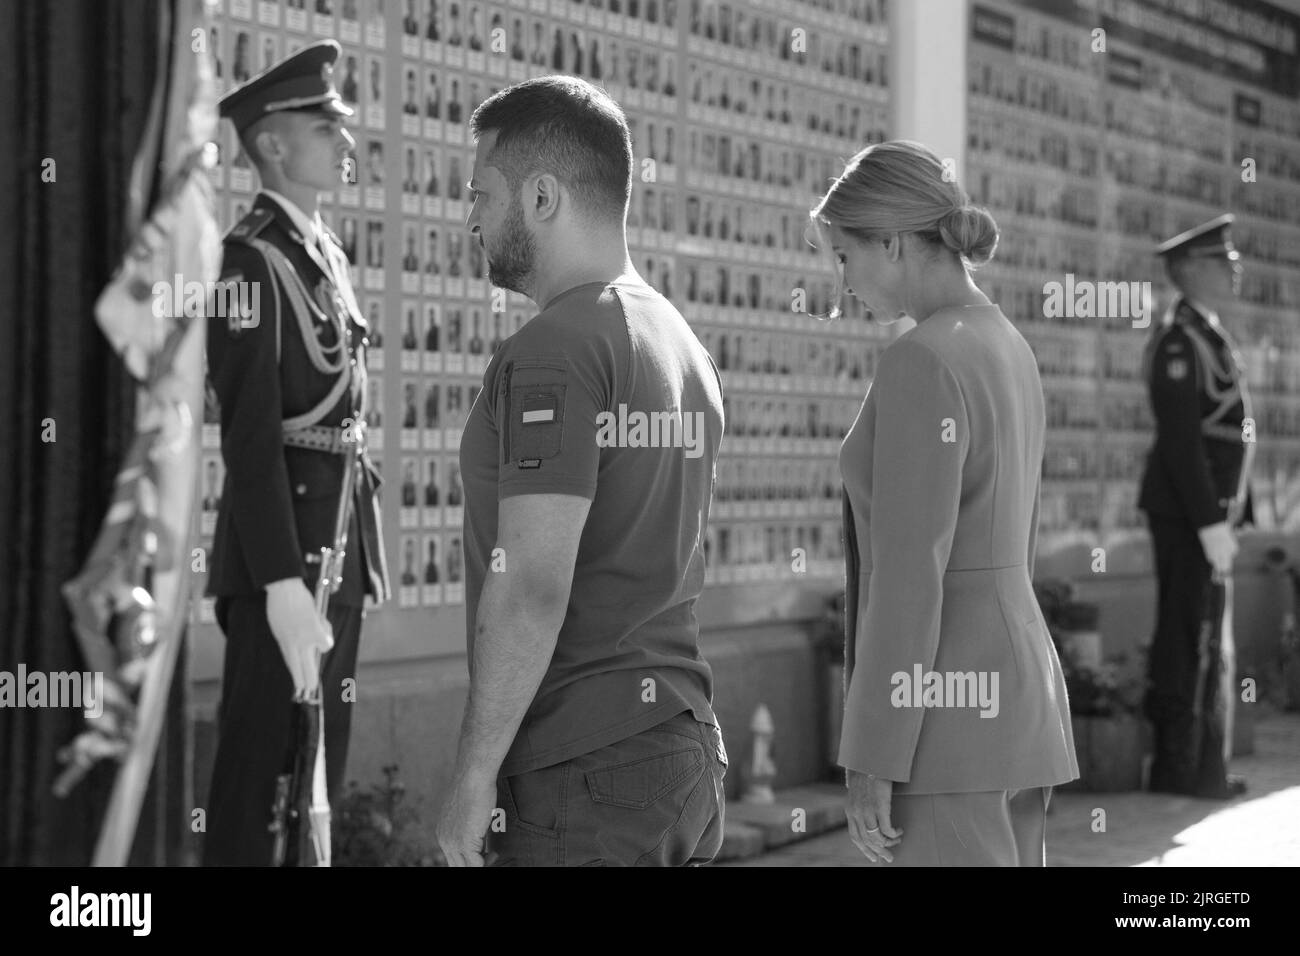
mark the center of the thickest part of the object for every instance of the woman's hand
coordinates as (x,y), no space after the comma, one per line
(868,813)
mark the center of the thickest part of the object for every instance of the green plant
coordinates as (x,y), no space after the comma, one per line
(829,628)
(373,827)
(1053,595)
(1112,690)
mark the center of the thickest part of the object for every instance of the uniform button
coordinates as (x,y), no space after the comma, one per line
(301,489)
(365,341)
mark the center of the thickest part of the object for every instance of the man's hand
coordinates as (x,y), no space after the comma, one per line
(868,813)
(520,614)
(465,820)
(302,634)
(1220,546)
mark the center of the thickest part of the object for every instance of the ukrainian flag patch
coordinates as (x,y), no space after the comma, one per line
(538,408)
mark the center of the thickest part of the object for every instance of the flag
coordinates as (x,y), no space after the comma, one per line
(129,603)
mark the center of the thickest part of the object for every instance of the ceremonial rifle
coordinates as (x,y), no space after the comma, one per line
(300,811)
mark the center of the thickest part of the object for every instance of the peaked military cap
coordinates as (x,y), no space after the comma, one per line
(303,81)
(1208,239)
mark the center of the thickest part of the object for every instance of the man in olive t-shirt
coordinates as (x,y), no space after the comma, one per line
(588,467)
(606,394)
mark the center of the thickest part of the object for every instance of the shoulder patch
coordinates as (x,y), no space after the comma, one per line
(536,404)
(232,302)
(249,227)
(1167,342)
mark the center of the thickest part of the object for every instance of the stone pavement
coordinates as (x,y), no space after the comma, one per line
(1260,828)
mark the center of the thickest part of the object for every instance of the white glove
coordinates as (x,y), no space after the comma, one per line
(303,635)
(1220,546)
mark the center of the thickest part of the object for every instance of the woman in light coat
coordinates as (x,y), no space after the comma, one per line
(956,723)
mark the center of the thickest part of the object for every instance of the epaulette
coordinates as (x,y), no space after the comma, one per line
(1170,322)
(1179,315)
(1161,332)
(333,238)
(1166,330)
(248,228)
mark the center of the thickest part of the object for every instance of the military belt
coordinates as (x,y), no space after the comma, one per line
(1222,432)
(337,440)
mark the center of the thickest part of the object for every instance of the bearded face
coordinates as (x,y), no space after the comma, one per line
(511,251)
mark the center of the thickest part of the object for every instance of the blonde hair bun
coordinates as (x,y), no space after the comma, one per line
(970,231)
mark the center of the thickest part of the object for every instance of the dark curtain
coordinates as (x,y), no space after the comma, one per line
(76,77)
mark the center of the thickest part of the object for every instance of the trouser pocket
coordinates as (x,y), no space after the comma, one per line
(535,807)
(646,800)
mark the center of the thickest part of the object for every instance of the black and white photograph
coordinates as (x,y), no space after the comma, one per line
(833,433)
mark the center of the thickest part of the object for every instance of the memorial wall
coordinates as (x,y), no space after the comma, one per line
(1091,148)
(740,114)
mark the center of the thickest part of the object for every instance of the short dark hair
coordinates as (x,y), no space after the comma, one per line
(565,126)
(248,135)
(248,141)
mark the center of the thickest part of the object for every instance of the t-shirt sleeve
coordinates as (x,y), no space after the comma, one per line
(553,399)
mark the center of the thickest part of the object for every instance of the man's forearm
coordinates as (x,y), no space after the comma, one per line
(513,644)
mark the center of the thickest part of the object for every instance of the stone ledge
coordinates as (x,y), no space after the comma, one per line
(755,828)
(740,841)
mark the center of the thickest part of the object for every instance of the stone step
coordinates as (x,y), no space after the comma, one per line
(797,814)
(740,841)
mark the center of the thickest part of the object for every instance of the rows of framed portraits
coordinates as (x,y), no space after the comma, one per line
(1087,162)
(735,133)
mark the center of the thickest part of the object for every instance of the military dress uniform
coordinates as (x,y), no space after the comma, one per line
(1196,475)
(291,383)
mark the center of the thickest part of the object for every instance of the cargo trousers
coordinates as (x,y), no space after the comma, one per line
(653,799)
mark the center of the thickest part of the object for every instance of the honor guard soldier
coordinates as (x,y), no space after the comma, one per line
(289,374)
(1195,493)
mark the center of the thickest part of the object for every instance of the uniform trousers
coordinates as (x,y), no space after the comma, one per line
(254,726)
(983,828)
(1183,583)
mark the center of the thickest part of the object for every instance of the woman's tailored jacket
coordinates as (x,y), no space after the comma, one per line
(942,486)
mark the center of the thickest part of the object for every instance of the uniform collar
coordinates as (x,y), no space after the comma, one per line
(312,230)
(310,234)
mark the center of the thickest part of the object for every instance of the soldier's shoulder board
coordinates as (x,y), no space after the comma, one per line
(1175,354)
(248,228)
(1174,342)
(1166,352)
(1169,339)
